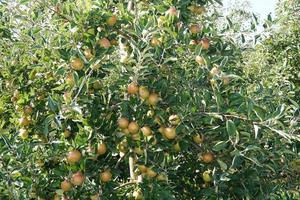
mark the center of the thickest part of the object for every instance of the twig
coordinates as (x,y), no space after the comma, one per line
(120,160)
(125,184)
(81,86)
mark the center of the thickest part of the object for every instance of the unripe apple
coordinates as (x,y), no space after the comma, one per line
(177,147)
(97,85)
(138,151)
(23,121)
(162,177)
(67,133)
(95,197)
(206,176)
(137,195)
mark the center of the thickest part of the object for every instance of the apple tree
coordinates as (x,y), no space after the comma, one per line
(132,100)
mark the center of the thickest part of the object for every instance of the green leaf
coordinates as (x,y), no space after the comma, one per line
(220,146)
(52,105)
(231,128)
(222,165)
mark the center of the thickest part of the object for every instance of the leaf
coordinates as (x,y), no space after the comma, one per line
(52,105)
(260,112)
(220,146)
(237,161)
(231,128)
(222,165)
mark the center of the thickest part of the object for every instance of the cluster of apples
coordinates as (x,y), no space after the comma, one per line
(78,64)
(78,178)
(25,120)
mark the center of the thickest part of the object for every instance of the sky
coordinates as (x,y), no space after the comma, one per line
(262,7)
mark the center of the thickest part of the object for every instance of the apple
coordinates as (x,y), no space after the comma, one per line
(151,173)
(105,43)
(66,186)
(195,28)
(153,99)
(111,21)
(105,176)
(123,123)
(142,169)
(67,133)
(132,88)
(155,42)
(23,133)
(172,12)
(146,130)
(101,149)
(205,43)
(77,178)
(174,120)
(133,128)
(88,53)
(144,92)
(198,139)
(170,133)
(73,156)
(77,64)
(207,157)
(200,60)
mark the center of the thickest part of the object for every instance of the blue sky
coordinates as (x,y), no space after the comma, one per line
(262,7)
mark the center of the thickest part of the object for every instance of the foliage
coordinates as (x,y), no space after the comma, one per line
(70,72)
